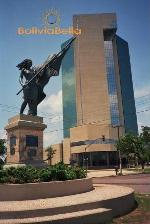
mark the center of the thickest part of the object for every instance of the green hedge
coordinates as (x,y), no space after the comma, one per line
(29,174)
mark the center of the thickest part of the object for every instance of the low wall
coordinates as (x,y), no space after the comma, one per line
(30,191)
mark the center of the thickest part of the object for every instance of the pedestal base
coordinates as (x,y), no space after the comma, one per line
(25,139)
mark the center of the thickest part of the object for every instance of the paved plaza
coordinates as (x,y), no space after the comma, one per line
(107,172)
(139,182)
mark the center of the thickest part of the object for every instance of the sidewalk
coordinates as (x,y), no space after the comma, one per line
(138,181)
(107,172)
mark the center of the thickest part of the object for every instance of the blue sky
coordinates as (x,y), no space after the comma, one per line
(133,25)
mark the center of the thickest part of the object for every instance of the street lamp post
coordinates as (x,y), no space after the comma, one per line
(86,161)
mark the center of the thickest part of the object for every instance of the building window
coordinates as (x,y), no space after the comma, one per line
(112,88)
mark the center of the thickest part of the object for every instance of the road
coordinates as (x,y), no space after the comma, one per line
(139,182)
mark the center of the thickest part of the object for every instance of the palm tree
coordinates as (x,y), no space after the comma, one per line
(50,153)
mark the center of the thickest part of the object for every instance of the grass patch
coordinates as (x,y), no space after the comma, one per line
(140,215)
(143,201)
(139,170)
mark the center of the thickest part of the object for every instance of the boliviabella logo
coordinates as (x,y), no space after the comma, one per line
(51,26)
(51,18)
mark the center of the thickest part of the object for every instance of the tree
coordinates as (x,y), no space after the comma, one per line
(136,145)
(2,146)
(145,136)
(2,152)
(50,153)
(139,150)
(125,144)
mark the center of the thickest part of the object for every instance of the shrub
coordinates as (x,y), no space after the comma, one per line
(71,174)
(3,176)
(20,174)
(61,175)
(80,173)
(63,172)
(29,174)
(11,171)
(6,179)
(45,175)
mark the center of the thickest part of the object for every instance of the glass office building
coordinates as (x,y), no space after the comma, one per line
(97,90)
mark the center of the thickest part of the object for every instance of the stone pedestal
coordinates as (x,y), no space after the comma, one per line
(25,139)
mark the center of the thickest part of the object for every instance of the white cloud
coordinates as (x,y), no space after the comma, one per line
(143,119)
(51,138)
(142,91)
(53,104)
(3,134)
(57,118)
(51,110)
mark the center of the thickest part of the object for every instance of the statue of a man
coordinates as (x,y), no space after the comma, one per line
(31,91)
(36,79)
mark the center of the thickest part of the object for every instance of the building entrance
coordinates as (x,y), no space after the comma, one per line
(96,159)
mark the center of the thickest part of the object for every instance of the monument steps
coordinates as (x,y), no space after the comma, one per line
(94,216)
(97,206)
(46,211)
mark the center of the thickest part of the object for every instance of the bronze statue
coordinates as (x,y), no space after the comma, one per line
(36,79)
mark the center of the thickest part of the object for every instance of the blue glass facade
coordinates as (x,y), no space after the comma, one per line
(68,90)
(111,79)
(130,119)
